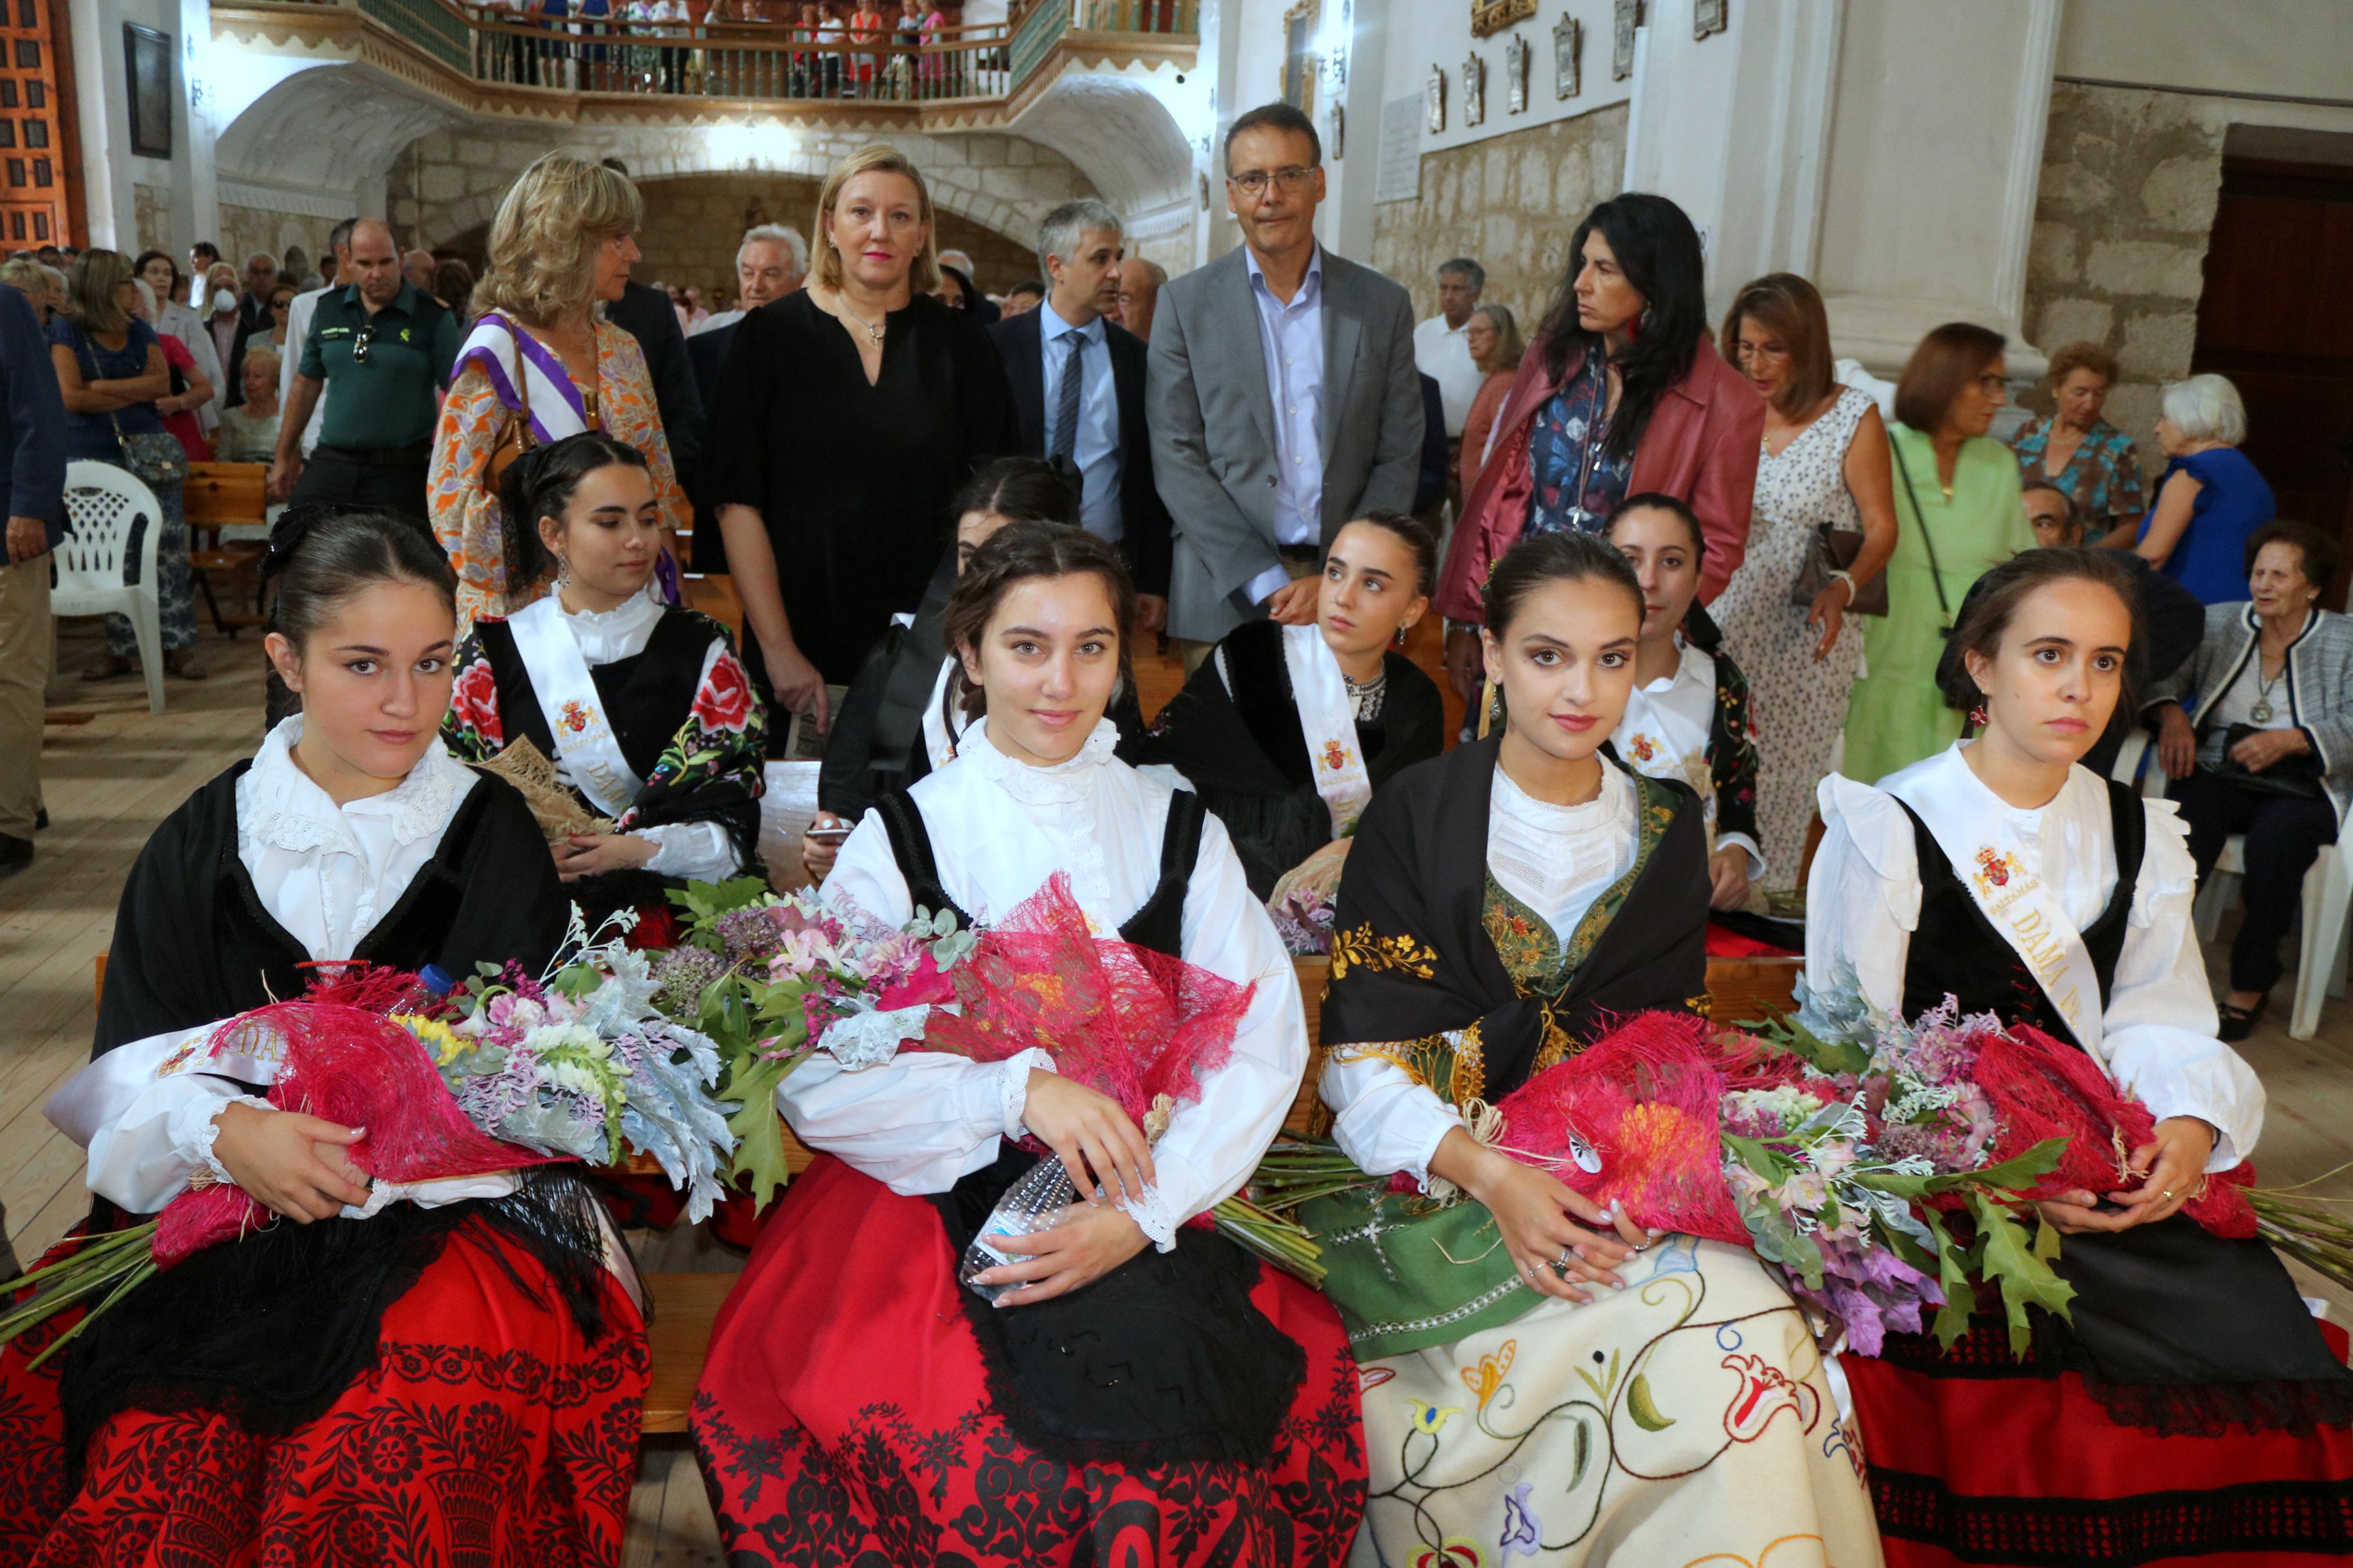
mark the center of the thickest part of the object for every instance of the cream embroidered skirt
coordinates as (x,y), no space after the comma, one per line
(1686,1420)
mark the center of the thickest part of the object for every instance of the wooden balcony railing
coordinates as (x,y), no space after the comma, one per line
(520,44)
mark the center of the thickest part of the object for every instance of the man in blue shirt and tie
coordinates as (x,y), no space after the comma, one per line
(1283,395)
(1078,387)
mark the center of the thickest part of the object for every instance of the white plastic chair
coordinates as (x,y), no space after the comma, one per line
(101,502)
(2328,895)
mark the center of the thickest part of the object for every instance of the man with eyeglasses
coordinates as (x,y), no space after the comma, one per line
(383,347)
(1283,395)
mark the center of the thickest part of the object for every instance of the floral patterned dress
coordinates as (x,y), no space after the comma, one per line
(1797,705)
(468,518)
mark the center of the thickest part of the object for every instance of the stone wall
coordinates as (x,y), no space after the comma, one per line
(2130,180)
(694,222)
(243,230)
(446,186)
(1509,204)
(150,214)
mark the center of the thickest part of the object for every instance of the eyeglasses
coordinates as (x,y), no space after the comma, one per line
(282,304)
(1993,385)
(360,341)
(1254,182)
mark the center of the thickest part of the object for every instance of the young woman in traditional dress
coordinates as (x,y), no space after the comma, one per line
(1146,1391)
(428,1384)
(1687,717)
(627,721)
(1542,1377)
(899,719)
(1287,730)
(2190,1409)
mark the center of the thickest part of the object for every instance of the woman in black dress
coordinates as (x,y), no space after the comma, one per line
(847,415)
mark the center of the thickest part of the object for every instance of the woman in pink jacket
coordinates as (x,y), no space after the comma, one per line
(1620,394)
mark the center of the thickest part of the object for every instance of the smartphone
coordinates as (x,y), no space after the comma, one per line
(826,834)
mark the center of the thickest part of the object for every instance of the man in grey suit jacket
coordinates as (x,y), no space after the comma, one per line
(1283,395)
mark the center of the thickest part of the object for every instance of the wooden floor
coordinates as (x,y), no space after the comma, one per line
(109,782)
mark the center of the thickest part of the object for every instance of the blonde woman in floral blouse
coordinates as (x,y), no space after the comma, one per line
(2076,449)
(541,359)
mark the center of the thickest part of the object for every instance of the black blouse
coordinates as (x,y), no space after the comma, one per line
(853,480)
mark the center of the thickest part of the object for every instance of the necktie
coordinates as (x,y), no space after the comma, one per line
(1066,409)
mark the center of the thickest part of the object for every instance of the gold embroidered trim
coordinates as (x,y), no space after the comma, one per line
(1360,949)
(1452,1064)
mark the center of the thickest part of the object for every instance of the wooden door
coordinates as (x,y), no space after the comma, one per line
(2276,317)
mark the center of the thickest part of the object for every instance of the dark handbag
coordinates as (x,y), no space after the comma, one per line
(2292,778)
(1835,549)
(1935,572)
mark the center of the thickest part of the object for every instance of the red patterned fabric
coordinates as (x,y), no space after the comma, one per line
(844,1418)
(2032,1471)
(488,1434)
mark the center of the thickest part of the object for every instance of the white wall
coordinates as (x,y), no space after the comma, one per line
(1424,32)
(2278,49)
(101,91)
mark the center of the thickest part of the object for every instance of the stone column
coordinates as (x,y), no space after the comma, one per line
(1933,160)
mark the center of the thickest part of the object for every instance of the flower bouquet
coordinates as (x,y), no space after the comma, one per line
(767,977)
(1835,1145)
(774,978)
(504,1073)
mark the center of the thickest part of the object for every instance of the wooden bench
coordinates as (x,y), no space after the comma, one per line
(216,496)
(685,1306)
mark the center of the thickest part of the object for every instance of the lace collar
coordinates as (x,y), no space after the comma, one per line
(1062,783)
(279,804)
(605,635)
(1615,799)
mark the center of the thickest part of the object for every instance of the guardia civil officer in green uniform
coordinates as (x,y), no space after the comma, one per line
(386,346)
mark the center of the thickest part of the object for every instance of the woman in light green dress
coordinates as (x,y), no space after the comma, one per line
(1958,514)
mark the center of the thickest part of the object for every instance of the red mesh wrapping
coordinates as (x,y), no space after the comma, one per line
(350,1066)
(1122,1019)
(2041,1087)
(1649,1098)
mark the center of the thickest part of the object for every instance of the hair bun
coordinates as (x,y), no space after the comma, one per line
(291,527)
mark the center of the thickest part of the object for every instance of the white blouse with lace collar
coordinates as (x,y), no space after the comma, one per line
(605,635)
(328,873)
(1558,859)
(1000,828)
(2159,1039)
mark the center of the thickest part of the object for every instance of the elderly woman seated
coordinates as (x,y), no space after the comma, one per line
(2256,733)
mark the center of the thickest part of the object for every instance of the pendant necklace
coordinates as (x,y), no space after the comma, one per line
(2262,711)
(1369,697)
(874,329)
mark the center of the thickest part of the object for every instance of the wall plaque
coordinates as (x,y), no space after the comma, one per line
(1492,16)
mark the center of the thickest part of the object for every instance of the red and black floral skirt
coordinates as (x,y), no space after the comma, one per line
(489,1432)
(2027,1470)
(845,1418)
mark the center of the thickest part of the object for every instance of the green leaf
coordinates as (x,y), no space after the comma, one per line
(1774,1166)
(2016,1264)
(760,1132)
(1953,1278)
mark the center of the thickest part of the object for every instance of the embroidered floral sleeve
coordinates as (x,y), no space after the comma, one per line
(1732,753)
(720,752)
(472,727)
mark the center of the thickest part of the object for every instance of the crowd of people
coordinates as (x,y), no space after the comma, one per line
(1749,653)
